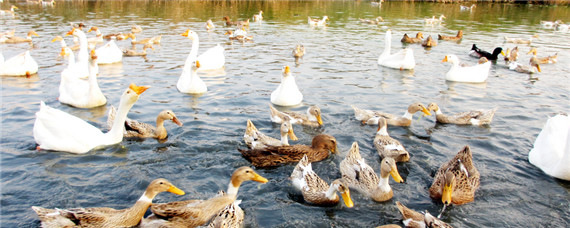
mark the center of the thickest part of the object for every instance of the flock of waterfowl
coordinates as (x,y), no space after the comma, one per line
(454,183)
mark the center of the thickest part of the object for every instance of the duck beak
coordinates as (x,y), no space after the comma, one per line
(90,29)
(138,89)
(425,111)
(287,70)
(292,134)
(394,173)
(54,39)
(70,32)
(185,33)
(319,120)
(197,64)
(63,53)
(444,59)
(446,195)
(35,34)
(503,53)
(347,200)
(258,178)
(538,68)
(176,121)
(175,190)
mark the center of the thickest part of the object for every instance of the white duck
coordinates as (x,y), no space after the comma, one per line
(317,22)
(474,74)
(81,66)
(78,92)
(22,64)
(258,17)
(58,130)
(189,81)
(551,150)
(287,93)
(433,20)
(403,60)
(109,53)
(212,59)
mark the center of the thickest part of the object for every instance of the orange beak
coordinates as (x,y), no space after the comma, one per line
(138,89)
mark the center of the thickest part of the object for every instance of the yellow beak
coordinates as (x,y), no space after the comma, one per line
(319,120)
(287,70)
(444,59)
(259,178)
(70,32)
(503,53)
(446,195)
(138,89)
(538,68)
(292,134)
(197,64)
(425,111)
(185,33)
(347,200)
(394,173)
(175,190)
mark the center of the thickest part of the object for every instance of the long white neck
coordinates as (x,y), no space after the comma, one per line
(70,59)
(83,55)
(408,115)
(387,44)
(193,51)
(93,84)
(115,135)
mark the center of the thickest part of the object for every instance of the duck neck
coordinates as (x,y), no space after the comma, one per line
(160,130)
(408,115)
(382,131)
(93,85)
(233,188)
(284,138)
(331,192)
(115,135)
(311,117)
(383,184)
(134,214)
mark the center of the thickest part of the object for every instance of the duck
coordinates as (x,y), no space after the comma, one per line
(561,27)
(388,146)
(411,40)
(532,68)
(109,53)
(104,216)
(229,22)
(239,34)
(271,156)
(189,81)
(210,25)
(376,20)
(416,219)
(371,117)
(8,33)
(433,20)
(520,40)
(512,55)
(258,17)
(287,93)
(312,118)
(116,36)
(193,213)
(551,148)
(474,117)
(472,74)
(211,59)
(151,40)
(476,52)
(403,59)
(10,11)
(58,130)
(93,41)
(299,51)
(317,191)
(361,176)
(317,22)
(467,8)
(544,60)
(429,42)
(16,39)
(457,37)
(78,92)
(254,139)
(63,44)
(81,66)
(136,29)
(549,24)
(457,180)
(376,4)
(231,216)
(134,52)
(136,129)
(22,64)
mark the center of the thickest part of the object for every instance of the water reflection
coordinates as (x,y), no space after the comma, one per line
(458,89)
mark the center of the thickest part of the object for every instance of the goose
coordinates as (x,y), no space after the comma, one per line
(287,93)
(473,74)
(254,139)
(411,40)
(474,117)
(19,65)
(239,34)
(57,130)
(116,36)
(551,149)
(109,53)
(81,66)
(544,60)
(63,44)
(403,60)
(457,37)
(258,17)
(211,59)
(189,81)
(467,8)
(388,146)
(143,130)
(371,117)
(478,53)
(98,36)
(416,219)
(136,29)
(134,52)
(78,92)
(312,118)
(16,39)
(317,22)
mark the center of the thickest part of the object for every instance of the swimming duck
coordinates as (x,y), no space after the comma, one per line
(136,29)
(388,146)
(315,190)
(317,22)
(10,11)
(544,60)
(189,81)
(457,180)
(475,117)
(229,22)
(520,40)
(551,149)
(231,216)
(512,54)
(476,52)
(403,59)
(239,34)
(134,52)
(193,213)
(371,117)
(312,118)
(459,36)
(299,51)
(57,130)
(362,177)
(258,17)
(16,39)
(8,33)
(287,93)
(467,8)
(152,40)
(143,130)
(429,42)
(116,36)
(210,25)
(376,20)
(473,74)
(416,219)
(19,65)
(433,20)
(104,216)
(277,155)
(532,68)
(254,139)
(211,59)
(78,92)
(412,40)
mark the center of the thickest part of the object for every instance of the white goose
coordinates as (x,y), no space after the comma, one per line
(22,64)
(317,22)
(109,53)
(58,130)
(78,92)
(403,60)
(81,66)
(551,150)
(474,74)
(189,81)
(287,93)
(212,59)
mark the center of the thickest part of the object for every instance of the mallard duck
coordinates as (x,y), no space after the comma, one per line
(512,54)
(457,180)
(520,40)
(193,213)
(429,42)
(255,139)
(478,53)
(210,25)
(81,66)
(77,92)
(229,22)
(376,20)
(136,29)
(189,81)
(551,149)
(467,8)
(16,39)
(474,74)
(315,190)
(19,65)
(403,60)
(63,44)
(10,11)
(532,68)
(258,17)
(544,60)
(371,117)
(104,216)
(229,217)
(388,146)
(411,40)
(312,118)
(475,117)
(433,20)
(277,155)
(317,22)
(287,93)
(416,219)
(299,51)
(134,52)
(362,177)
(459,36)
(57,130)
(143,130)
(211,59)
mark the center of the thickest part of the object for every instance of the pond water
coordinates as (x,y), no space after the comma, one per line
(339,70)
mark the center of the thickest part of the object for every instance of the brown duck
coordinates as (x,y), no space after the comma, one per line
(415,219)
(429,42)
(229,22)
(411,40)
(459,36)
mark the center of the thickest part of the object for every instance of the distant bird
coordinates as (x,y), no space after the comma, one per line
(429,42)
(258,17)
(299,51)
(459,36)
(478,53)
(467,8)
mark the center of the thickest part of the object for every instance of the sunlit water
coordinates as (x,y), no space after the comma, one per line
(339,70)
